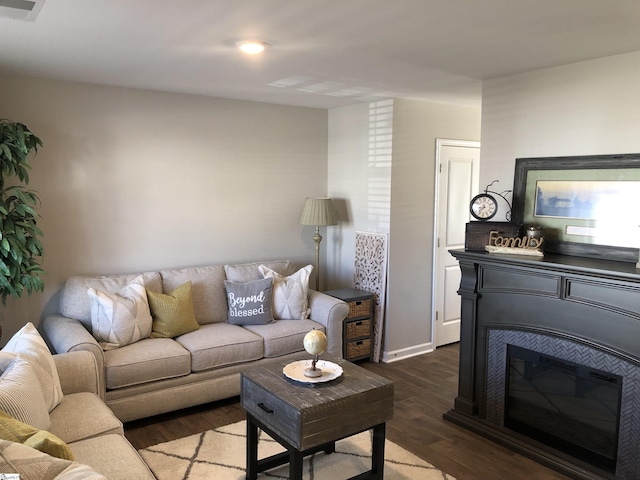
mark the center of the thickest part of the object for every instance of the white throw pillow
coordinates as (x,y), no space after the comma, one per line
(28,342)
(290,293)
(21,395)
(118,319)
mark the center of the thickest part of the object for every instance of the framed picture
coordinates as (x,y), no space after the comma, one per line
(587,206)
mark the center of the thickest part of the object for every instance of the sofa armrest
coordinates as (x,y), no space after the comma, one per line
(330,312)
(69,335)
(78,372)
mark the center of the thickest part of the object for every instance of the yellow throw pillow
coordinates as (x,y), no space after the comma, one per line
(16,431)
(172,314)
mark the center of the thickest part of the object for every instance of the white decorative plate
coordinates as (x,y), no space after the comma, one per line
(295,371)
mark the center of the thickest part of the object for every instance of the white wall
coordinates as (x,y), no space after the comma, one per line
(359,172)
(586,108)
(410,197)
(135,180)
(416,126)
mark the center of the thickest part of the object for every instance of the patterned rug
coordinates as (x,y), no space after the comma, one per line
(220,454)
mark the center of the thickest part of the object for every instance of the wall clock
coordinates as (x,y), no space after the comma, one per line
(483,207)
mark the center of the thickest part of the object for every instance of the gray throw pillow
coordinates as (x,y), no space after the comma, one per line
(249,303)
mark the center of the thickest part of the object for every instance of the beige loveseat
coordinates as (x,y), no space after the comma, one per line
(83,421)
(158,375)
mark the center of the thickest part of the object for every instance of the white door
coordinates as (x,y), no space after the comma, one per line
(457,171)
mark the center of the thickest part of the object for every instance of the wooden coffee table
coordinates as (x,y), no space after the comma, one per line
(308,418)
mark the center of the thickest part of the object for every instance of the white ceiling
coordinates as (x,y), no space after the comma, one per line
(324,53)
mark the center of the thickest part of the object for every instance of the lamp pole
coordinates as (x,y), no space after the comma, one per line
(317,238)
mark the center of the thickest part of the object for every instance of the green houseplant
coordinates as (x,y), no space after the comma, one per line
(20,245)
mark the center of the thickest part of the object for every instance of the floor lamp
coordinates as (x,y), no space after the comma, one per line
(318,211)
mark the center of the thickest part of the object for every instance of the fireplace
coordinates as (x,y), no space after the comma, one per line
(550,360)
(569,406)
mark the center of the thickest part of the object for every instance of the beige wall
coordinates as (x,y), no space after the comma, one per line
(347,186)
(135,180)
(585,108)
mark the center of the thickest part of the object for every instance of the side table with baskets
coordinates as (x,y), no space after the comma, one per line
(357,329)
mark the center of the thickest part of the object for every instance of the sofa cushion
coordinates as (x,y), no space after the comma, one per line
(250,302)
(75,303)
(81,416)
(207,290)
(121,463)
(247,272)
(17,431)
(172,313)
(220,344)
(21,394)
(289,293)
(121,318)
(31,464)
(28,342)
(284,336)
(145,361)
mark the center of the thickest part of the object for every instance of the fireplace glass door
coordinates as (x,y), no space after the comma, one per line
(570,407)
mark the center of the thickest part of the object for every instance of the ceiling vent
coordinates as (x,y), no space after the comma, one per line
(25,10)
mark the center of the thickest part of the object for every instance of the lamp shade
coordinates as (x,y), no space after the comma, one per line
(318,211)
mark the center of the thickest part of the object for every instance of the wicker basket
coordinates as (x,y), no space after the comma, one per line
(358,329)
(361,348)
(359,308)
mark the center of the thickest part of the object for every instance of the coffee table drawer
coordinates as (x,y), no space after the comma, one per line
(272,411)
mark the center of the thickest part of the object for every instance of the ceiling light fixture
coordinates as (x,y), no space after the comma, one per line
(26,10)
(252,47)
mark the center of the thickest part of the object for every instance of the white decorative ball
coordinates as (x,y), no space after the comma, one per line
(315,342)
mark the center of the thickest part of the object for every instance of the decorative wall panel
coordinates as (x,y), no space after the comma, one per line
(370,275)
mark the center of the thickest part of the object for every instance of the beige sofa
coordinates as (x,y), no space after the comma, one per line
(158,375)
(86,425)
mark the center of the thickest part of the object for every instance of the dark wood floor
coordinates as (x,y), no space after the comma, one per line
(425,387)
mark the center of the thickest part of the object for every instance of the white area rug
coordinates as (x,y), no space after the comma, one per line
(220,454)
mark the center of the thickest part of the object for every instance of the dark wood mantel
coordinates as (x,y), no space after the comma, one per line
(586,302)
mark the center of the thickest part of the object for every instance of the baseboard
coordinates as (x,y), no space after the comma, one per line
(395,355)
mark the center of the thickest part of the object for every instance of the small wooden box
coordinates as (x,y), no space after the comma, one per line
(476,235)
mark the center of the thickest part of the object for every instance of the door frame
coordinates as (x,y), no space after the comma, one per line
(440,142)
